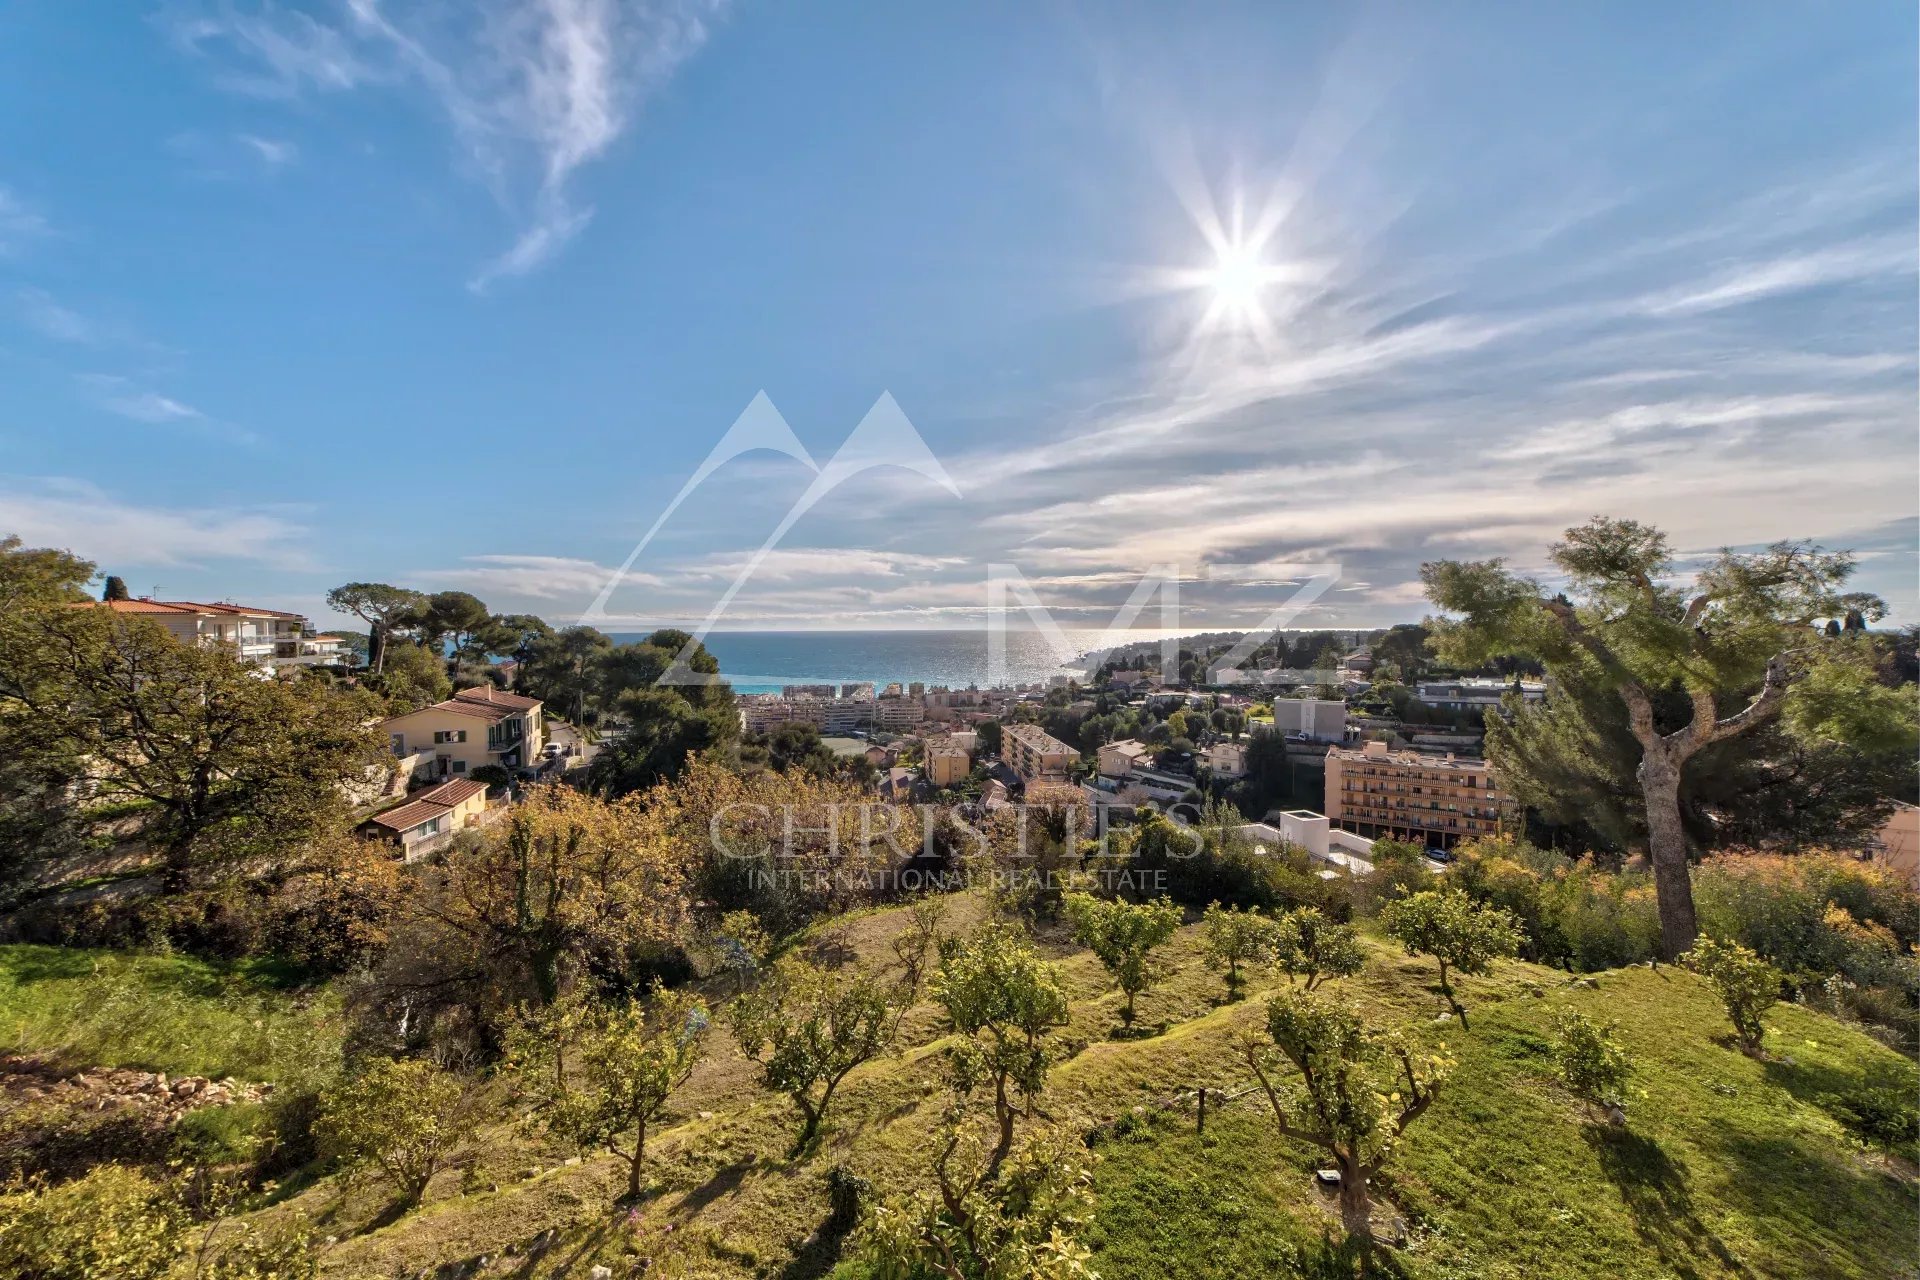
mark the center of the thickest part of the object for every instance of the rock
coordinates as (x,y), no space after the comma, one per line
(1327,1177)
(704,1115)
(1616,1116)
(570,1161)
(600,1273)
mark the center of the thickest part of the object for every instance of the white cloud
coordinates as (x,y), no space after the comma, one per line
(45,314)
(1751,281)
(19,223)
(534,89)
(530,577)
(273,152)
(85,519)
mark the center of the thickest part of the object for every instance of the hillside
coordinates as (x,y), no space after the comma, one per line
(1729,1167)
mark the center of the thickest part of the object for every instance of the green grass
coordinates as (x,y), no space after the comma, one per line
(1730,1167)
(164,1013)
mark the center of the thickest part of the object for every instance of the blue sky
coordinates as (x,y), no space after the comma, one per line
(461,295)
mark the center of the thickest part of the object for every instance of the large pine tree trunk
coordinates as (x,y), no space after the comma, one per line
(1667,846)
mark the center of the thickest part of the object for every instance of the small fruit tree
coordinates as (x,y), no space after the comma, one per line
(1348,1088)
(1748,985)
(1123,935)
(1463,935)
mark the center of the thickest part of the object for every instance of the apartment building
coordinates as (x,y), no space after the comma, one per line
(948,766)
(272,638)
(472,728)
(1318,719)
(1477,692)
(898,714)
(1034,753)
(1404,795)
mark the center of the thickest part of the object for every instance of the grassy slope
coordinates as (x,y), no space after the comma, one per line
(1728,1169)
(162,1013)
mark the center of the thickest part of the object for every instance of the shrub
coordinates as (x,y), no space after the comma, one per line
(1590,1060)
(1747,985)
(114,1222)
(403,1118)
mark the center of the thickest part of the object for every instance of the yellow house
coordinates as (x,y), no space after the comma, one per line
(1897,847)
(431,818)
(472,728)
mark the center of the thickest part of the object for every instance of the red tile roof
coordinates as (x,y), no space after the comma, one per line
(429,804)
(487,695)
(190,607)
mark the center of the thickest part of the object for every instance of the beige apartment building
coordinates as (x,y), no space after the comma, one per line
(948,766)
(269,637)
(1404,795)
(1035,754)
(1118,759)
(472,728)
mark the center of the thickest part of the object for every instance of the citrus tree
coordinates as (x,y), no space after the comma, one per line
(1237,938)
(1309,945)
(1748,986)
(808,1027)
(600,1072)
(401,1117)
(1590,1061)
(1338,1084)
(1005,1002)
(1463,935)
(1123,936)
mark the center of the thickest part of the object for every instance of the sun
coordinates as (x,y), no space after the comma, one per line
(1237,280)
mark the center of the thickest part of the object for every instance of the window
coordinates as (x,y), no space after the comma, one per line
(399,742)
(459,766)
(441,736)
(431,827)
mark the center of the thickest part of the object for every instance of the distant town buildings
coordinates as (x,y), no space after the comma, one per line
(1227,759)
(1404,795)
(1118,759)
(948,766)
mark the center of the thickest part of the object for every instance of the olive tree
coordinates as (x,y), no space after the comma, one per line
(599,1072)
(808,1027)
(1123,936)
(1463,935)
(1748,986)
(1345,1087)
(401,1117)
(1737,644)
(1005,1002)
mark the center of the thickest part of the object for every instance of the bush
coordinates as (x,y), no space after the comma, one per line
(403,1118)
(114,1222)
(1748,986)
(1590,1060)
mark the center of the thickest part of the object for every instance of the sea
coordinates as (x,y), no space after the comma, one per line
(764,661)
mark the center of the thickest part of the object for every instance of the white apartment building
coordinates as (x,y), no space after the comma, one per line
(1476,691)
(272,638)
(1034,753)
(1320,719)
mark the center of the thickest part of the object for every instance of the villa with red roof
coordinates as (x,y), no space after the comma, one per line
(474,727)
